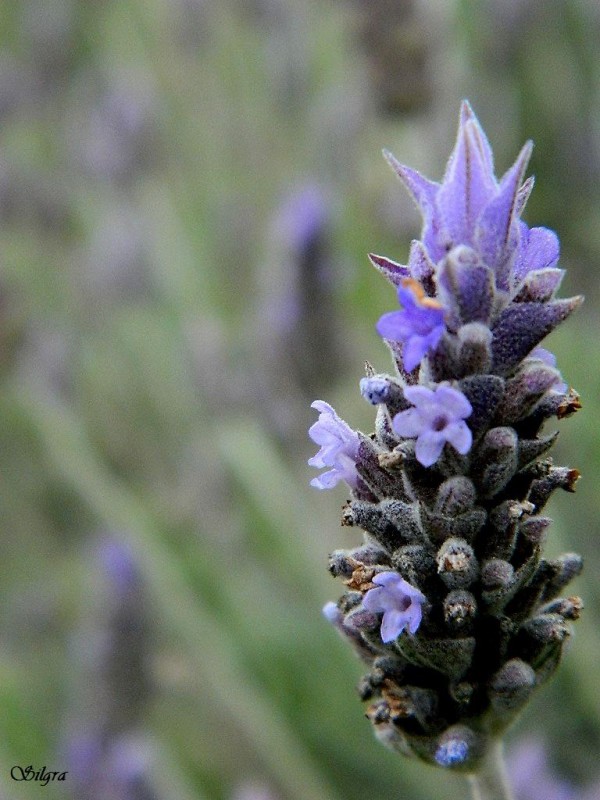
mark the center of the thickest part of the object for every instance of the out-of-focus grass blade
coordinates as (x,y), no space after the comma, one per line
(273,489)
(214,654)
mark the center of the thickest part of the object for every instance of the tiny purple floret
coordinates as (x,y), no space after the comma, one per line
(419,325)
(437,417)
(339,448)
(400,602)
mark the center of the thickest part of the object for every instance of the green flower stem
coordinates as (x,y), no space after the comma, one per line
(491,781)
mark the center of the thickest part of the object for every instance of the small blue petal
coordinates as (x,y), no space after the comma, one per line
(452,752)
(375,390)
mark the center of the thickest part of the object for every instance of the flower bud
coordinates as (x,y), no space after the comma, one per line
(565,568)
(460,608)
(567,607)
(415,563)
(504,524)
(557,478)
(484,392)
(459,747)
(474,350)
(534,529)
(511,687)
(451,657)
(455,496)
(496,573)
(392,522)
(532,449)
(525,390)
(540,639)
(457,564)
(498,459)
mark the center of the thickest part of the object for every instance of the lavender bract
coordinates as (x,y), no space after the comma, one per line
(451,487)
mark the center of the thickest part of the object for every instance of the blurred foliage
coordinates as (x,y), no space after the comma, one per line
(149,397)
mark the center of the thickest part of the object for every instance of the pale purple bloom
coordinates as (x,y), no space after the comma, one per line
(375,390)
(400,602)
(437,417)
(419,326)
(339,448)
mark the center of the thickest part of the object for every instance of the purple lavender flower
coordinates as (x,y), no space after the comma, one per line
(339,448)
(437,418)
(400,602)
(419,326)
(478,298)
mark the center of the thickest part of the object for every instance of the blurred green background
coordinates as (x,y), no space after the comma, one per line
(188,190)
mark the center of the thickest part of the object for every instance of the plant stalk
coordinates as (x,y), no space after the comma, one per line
(490,782)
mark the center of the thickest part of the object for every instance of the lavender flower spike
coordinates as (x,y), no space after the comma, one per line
(452,552)
(419,326)
(437,417)
(339,448)
(400,602)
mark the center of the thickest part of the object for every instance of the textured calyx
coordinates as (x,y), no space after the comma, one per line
(449,601)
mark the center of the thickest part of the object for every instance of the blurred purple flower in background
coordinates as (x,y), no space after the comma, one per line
(253,791)
(531,775)
(115,768)
(107,751)
(301,350)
